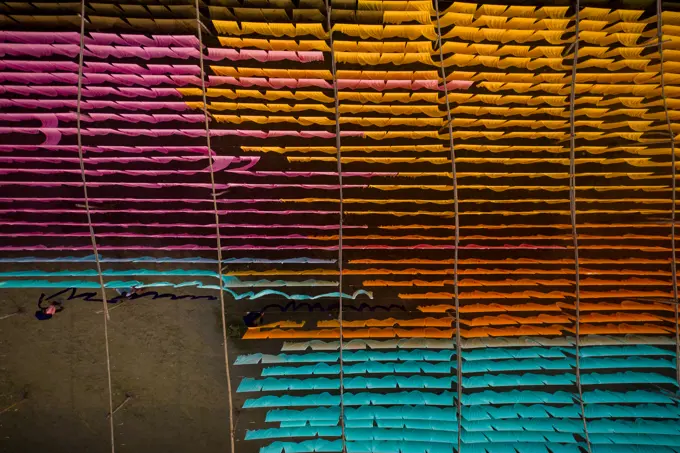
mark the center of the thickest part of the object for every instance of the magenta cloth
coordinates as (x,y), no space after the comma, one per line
(53,134)
(39,50)
(144,53)
(456,85)
(222,166)
(133,105)
(31,37)
(131,68)
(66,78)
(146,80)
(220,162)
(39,66)
(160,185)
(99,117)
(168,211)
(280,247)
(188,225)
(159,235)
(170,247)
(223,162)
(89,91)
(144,200)
(142,40)
(103,149)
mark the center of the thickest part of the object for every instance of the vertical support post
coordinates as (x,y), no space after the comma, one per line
(217,227)
(574,229)
(674,273)
(93,238)
(459,352)
(340,221)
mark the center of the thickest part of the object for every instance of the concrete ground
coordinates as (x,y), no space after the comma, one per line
(167,355)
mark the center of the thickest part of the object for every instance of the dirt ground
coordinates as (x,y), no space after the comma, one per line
(167,355)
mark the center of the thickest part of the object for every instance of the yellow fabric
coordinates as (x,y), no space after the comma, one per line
(417,5)
(387,75)
(227,27)
(324,121)
(308,15)
(378,98)
(388,122)
(225,106)
(506,22)
(606,39)
(493,34)
(271,72)
(378,160)
(496,99)
(273,44)
(261,14)
(429,110)
(380,47)
(401,17)
(270,29)
(373,59)
(607,15)
(270,95)
(411,32)
(306,121)
(500,51)
(563,89)
(412,135)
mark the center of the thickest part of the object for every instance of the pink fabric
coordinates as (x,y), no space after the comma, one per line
(278,247)
(171,247)
(219,162)
(161,40)
(157,235)
(145,92)
(130,68)
(456,85)
(144,53)
(42,104)
(144,200)
(223,164)
(38,66)
(167,211)
(160,185)
(99,117)
(32,37)
(129,79)
(93,132)
(143,40)
(176,69)
(89,91)
(102,149)
(39,50)
(187,225)
(39,78)
(133,105)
